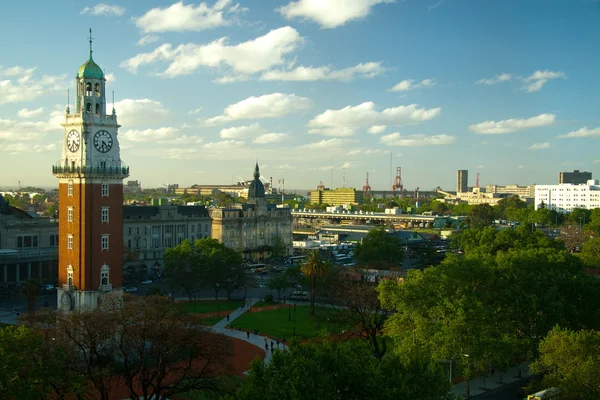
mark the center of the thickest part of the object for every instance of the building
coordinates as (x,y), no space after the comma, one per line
(240,189)
(149,230)
(28,248)
(462,181)
(565,197)
(576,177)
(255,228)
(132,187)
(90,186)
(524,192)
(336,197)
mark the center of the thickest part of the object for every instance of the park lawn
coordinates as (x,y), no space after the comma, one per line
(210,321)
(230,384)
(209,306)
(275,323)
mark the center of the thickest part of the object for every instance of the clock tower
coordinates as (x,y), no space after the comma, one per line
(90,186)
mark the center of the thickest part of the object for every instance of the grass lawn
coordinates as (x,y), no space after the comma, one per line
(210,321)
(230,383)
(275,322)
(208,306)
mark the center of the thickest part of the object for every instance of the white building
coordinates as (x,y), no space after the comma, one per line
(566,196)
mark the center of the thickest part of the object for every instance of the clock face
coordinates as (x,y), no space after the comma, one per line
(73,141)
(103,141)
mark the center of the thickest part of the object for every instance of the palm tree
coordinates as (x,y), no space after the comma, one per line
(314,268)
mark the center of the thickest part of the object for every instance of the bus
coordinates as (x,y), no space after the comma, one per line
(294,260)
(545,394)
(257,268)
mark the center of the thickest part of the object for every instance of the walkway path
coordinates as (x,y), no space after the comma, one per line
(486,383)
(256,340)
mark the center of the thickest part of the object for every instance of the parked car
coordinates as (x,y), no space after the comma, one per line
(48,288)
(299,295)
(130,289)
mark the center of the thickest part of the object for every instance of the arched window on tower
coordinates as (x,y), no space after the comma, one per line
(97,109)
(70,275)
(88,107)
(88,89)
(97,89)
(104,275)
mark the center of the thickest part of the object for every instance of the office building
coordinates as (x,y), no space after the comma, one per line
(524,192)
(255,228)
(566,197)
(576,177)
(336,197)
(462,181)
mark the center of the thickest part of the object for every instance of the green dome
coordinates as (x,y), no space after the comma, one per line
(90,69)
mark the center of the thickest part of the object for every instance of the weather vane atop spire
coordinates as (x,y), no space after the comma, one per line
(91,40)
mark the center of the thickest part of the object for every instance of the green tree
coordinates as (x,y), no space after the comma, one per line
(463,209)
(341,370)
(183,267)
(220,266)
(280,283)
(380,250)
(590,254)
(481,216)
(579,217)
(314,268)
(569,361)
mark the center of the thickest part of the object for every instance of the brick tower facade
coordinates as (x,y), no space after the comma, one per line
(90,175)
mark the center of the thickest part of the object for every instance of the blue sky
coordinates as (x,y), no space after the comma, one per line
(507,88)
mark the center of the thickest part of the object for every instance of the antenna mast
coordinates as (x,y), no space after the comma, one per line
(397,182)
(367,187)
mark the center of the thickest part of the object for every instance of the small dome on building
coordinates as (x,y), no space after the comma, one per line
(256,189)
(90,69)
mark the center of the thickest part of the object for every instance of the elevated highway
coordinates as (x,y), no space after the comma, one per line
(370,217)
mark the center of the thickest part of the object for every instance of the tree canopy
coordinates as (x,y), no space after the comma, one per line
(380,250)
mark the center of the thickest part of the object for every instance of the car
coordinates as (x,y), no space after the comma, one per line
(48,287)
(130,289)
(147,282)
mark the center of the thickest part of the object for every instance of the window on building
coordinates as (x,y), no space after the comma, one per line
(137,230)
(168,242)
(27,241)
(70,214)
(70,275)
(104,215)
(105,190)
(104,275)
(104,246)
(70,242)
(103,164)
(70,189)
(192,228)
(53,240)
(137,243)
(155,243)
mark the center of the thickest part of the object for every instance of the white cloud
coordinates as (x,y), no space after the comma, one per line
(150,135)
(480,166)
(24,85)
(267,106)
(268,138)
(27,113)
(241,132)
(286,167)
(19,147)
(521,166)
(395,139)
(329,13)
(583,132)
(539,146)
(503,77)
(408,84)
(327,144)
(346,121)
(376,129)
(325,73)
(104,10)
(110,78)
(195,110)
(147,39)
(539,78)
(224,145)
(249,57)
(596,162)
(180,18)
(131,112)
(512,125)
(231,79)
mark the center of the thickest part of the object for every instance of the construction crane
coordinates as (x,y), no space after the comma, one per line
(477,181)
(417,193)
(321,186)
(397,182)
(367,187)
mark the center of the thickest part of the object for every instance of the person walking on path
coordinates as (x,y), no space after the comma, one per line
(277,343)
(248,335)
(227,317)
(266,347)
(271,345)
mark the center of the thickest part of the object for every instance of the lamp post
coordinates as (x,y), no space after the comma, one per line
(294,320)
(218,304)
(289,310)
(468,383)
(194,298)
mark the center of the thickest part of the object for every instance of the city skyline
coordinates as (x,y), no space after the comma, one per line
(203,89)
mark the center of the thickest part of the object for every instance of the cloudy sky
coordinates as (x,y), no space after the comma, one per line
(312,89)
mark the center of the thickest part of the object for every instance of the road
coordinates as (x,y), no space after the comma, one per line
(507,392)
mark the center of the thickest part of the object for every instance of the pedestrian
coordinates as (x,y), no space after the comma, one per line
(248,335)
(277,343)
(272,351)
(271,345)
(227,317)
(266,341)
(266,347)
(492,371)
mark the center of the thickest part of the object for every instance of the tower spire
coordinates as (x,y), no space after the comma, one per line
(91,40)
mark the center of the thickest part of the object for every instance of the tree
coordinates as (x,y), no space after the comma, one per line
(314,268)
(279,282)
(379,249)
(341,370)
(590,254)
(569,361)
(182,266)
(481,216)
(220,266)
(355,302)
(573,237)
(164,352)
(31,289)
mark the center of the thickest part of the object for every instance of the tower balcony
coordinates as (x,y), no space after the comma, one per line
(67,171)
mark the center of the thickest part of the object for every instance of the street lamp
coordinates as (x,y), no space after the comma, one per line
(289,310)
(294,320)
(468,383)
(218,304)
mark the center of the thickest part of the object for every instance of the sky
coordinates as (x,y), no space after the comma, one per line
(314,90)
